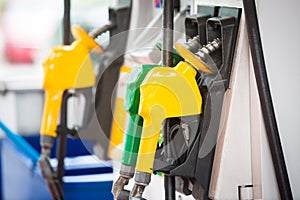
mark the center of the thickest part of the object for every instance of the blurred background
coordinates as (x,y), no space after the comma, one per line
(28,30)
(30,26)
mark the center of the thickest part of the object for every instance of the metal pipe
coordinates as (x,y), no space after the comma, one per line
(167,60)
(266,100)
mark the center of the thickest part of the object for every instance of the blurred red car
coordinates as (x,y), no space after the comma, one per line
(28,25)
(32,25)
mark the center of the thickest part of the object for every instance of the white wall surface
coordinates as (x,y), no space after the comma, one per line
(280,31)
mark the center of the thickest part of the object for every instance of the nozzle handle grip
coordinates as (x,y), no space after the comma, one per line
(52,106)
(132,140)
(148,144)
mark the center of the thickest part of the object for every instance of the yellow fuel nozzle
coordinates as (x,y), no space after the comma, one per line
(66,67)
(166,92)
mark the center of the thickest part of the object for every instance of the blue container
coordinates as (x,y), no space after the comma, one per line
(1,193)
(85,176)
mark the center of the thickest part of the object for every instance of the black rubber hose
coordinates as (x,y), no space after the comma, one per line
(168,26)
(167,60)
(62,132)
(62,137)
(266,100)
(67,22)
(169,182)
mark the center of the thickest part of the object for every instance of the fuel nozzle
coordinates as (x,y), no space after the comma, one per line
(48,173)
(118,190)
(133,132)
(142,179)
(166,92)
(50,177)
(66,67)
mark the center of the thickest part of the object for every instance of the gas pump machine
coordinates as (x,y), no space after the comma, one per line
(211,110)
(197,118)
